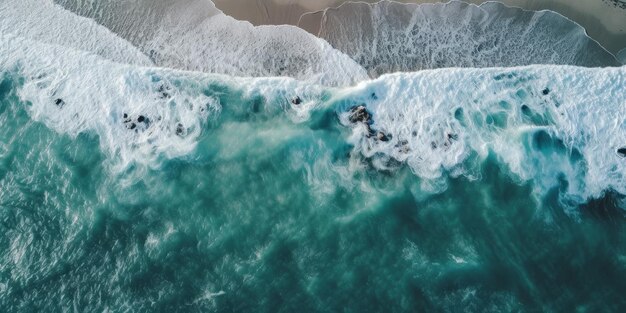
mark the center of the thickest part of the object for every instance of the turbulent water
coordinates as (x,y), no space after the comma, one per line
(130,185)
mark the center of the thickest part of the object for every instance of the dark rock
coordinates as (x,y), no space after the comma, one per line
(622,152)
(382,137)
(453,137)
(180,129)
(163,92)
(296,100)
(545,92)
(59,102)
(126,119)
(141,118)
(359,114)
(132,126)
(152,55)
(401,143)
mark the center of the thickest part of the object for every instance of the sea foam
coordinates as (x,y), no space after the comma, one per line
(46,22)
(194,35)
(141,114)
(388,36)
(545,124)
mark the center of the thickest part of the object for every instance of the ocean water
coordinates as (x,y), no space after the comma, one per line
(129,185)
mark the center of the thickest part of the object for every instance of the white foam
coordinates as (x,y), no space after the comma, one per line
(42,20)
(389,36)
(502,112)
(446,122)
(194,35)
(74,92)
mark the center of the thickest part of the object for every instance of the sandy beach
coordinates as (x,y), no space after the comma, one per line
(604,20)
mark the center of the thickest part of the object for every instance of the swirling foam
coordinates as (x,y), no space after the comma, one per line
(389,36)
(194,35)
(46,22)
(545,124)
(142,115)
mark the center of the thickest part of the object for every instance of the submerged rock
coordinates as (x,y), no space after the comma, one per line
(59,103)
(360,114)
(163,92)
(180,130)
(296,100)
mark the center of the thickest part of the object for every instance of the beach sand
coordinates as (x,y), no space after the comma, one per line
(604,20)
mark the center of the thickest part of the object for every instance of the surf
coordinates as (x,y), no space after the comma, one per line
(149,165)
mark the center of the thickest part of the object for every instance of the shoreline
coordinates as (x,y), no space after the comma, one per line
(604,21)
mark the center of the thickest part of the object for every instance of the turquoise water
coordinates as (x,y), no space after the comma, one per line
(276,211)
(284,175)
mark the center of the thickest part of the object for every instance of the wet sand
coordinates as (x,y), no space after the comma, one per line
(604,20)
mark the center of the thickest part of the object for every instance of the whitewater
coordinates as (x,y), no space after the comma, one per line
(154,163)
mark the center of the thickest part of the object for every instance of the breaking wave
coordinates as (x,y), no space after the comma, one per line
(194,35)
(439,123)
(154,163)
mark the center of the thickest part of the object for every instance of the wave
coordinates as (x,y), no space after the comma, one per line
(545,124)
(195,35)
(133,186)
(388,36)
(45,22)
(141,114)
